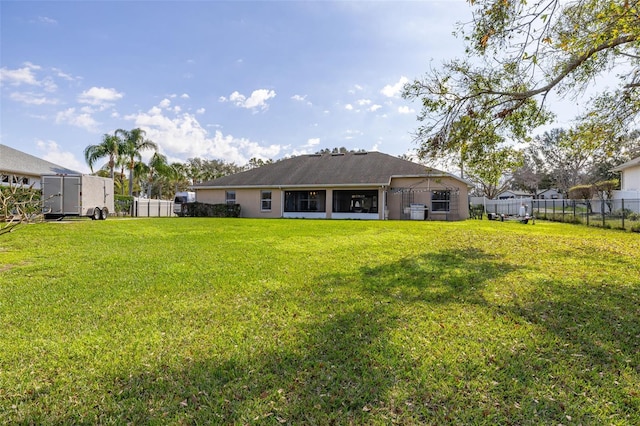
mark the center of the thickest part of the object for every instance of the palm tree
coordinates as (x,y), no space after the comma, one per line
(178,176)
(134,144)
(157,169)
(111,146)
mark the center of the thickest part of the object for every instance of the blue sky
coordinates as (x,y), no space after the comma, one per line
(218,80)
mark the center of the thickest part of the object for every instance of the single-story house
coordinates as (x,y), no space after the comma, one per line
(19,168)
(548,194)
(512,193)
(629,175)
(629,180)
(353,185)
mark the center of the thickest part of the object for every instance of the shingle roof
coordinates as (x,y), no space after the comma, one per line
(18,162)
(352,168)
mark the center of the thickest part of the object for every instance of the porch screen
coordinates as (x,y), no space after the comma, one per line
(305,201)
(355,201)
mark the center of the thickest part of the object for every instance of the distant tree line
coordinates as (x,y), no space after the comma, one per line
(559,159)
(156,178)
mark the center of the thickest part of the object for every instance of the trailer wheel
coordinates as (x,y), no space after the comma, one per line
(104,213)
(96,213)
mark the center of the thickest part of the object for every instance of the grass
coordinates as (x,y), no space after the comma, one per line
(242,321)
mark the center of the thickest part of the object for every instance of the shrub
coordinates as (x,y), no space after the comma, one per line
(622,212)
(635,228)
(211,210)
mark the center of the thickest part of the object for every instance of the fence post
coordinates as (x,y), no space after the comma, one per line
(623,213)
(588,210)
(602,211)
(563,210)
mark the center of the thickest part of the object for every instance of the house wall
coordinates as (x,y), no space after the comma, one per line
(631,179)
(389,203)
(249,200)
(420,193)
(9,178)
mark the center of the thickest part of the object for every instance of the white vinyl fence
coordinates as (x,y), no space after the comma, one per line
(144,207)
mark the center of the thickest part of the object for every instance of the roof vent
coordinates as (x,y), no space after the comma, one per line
(360,153)
(314,155)
(337,154)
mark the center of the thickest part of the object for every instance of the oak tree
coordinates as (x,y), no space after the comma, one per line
(518,54)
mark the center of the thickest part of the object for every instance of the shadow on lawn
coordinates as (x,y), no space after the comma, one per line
(339,367)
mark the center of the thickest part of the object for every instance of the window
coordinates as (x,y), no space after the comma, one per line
(230,197)
(304,201)
(265,200)
(5,178)
(20,180)
(440,201)
(355,201)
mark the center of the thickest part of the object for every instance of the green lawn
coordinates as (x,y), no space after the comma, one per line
(243,321)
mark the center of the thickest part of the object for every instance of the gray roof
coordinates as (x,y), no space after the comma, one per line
(632,163)
(348,169)
(20,163)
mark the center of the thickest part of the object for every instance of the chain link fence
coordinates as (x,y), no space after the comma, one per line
(609,214)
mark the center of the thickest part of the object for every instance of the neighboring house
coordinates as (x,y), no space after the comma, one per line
(629,175)
(353,185)
(19,168)
(629,181)
(548,194)
(512,193)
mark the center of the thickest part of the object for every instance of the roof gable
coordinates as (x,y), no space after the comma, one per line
(632,163)
(352,168)
(18,162)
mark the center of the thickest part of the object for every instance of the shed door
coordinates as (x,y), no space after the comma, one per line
(71,195)
(52,194)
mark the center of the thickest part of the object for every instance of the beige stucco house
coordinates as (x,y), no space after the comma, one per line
(354,185)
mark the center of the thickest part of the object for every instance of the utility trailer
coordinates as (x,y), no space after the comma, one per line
(77,195)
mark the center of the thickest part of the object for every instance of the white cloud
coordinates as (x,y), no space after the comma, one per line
(30,98)
(351,134)
(348,107)
(20,76)
(165,103)
(47,20)
(363,102)
(394,90)
(405,110)
(312,142)
(258,99)
(184,96)
(356,88)
(184,137)
(200,111)
(82,120)
(374,107)
(301,98)
(63,75)
(51,152)
(99,96)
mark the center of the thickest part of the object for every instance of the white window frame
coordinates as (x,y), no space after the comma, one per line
(227,197)
(446,202)
(265,203)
